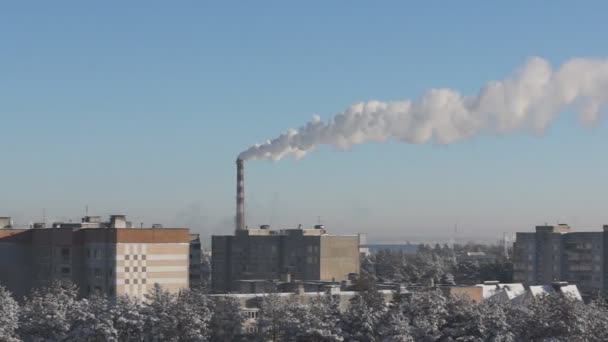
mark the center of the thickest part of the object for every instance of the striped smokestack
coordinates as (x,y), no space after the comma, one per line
(240,195)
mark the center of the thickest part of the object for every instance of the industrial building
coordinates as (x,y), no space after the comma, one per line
(252,256)
(103,257)
(556,253)
(285,255)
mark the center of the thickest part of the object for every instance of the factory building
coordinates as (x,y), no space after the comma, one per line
(252,256)
(284,255)
(556,253)
(99,257)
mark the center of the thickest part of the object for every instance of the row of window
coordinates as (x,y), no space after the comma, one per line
(135,269)
(135,281)
(252,314)
(135,257)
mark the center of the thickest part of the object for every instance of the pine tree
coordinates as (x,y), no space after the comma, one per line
(48,313)
(322,321)
(9,316)
(193,312)
(426,312)
(276,319)
(227,321)
(94,322)
(161,320)
(361,322)
(396,328)
(128,318)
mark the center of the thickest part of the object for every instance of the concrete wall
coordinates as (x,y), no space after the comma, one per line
(339,257)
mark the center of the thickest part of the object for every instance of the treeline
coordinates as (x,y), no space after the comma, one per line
(440,264)
(56,314)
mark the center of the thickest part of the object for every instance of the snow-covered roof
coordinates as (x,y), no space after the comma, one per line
(512,290)
(569,290)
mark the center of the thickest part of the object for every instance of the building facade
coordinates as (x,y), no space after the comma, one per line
(288,255)
(556,253)
(104,258)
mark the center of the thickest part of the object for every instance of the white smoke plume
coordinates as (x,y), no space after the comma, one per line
(529,99)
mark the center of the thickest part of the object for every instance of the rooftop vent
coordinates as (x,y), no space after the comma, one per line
(118,221)
(319,226)
(6,222)
(265,226)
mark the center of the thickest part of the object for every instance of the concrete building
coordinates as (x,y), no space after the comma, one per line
(104,257)
(287,255)
(250,303)
(556,253)
(199,264)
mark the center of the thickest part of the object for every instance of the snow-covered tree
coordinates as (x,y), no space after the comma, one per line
(128,318)
(227,322)
(322,319)
(194,311)
(48,313)
(161,315)
(596,321)
(496,326)
(94,323)
(396,328)
(9,316)
(182,317)
(552,318)
(426,312)
(361,322)
(276,318)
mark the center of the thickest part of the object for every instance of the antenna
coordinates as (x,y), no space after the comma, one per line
(44,217)
(86,210)
(505,245)
(318,219)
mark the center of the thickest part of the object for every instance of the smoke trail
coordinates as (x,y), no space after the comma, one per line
(529,99)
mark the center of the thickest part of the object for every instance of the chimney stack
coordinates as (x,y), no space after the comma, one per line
(240,195)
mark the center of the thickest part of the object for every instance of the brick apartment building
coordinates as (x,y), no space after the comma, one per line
(103,257)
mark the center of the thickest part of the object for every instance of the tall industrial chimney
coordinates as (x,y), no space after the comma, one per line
(240,195)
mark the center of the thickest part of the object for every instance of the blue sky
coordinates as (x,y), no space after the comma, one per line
(141,107)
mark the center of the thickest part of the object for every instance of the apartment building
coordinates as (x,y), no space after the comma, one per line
(557,253)
(103,257)
(288,255)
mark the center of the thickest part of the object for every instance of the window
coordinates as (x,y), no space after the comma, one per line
(127,257)
(65,271)
(143,269)
(143,281)
(135,257)
(65,255)
(126,281)
(143,257)
(135,269)
(95,253)
(126,269)
(134,281)
(111,290)
(97,272)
